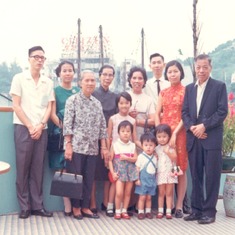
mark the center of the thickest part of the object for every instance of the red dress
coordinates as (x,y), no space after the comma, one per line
(172,101)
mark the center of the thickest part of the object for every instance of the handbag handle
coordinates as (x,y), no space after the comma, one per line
(63,168)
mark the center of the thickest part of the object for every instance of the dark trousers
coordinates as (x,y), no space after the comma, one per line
(30,155)
(205,166)
(83,165)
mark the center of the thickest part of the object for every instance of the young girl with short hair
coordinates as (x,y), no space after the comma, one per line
(122,166)
(166,160)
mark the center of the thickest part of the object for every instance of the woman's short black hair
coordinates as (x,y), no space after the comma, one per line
(148,137)
(137,69)
(178,65)
(125,124)
(58,69)
(125,95)
(163,128)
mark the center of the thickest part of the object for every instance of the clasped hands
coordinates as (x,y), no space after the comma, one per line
(199,131)
(35,131)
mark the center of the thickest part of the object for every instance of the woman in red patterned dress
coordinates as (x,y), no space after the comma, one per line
(168,111)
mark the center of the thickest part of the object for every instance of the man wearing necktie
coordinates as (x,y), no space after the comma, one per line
(204,110)
(157,83)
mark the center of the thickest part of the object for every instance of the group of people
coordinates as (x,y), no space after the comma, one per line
(135,142)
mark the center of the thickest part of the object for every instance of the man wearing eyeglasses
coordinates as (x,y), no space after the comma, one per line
(32,94)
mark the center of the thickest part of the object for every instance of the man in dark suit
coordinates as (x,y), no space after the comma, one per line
(204,110)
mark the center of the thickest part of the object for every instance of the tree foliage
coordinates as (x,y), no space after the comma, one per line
(6,75)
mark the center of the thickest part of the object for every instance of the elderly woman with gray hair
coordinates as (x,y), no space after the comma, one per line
(84,126)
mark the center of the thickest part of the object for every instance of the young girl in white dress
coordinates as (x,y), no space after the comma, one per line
(166,161)
(122,166)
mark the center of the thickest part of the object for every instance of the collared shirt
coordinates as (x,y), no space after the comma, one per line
(84,120)
(34,97)
(151,88)
(108,101)
(200,91)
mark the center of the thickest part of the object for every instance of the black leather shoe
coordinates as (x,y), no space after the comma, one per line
(78,217)
(193,216)
(68,213)
(103,207)
(42,212)
(92,216)
(109,213)
(206,220)
(24,214)
(187,210)
(94,210)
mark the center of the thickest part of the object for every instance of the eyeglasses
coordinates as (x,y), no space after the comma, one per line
(37,57)
(107,75)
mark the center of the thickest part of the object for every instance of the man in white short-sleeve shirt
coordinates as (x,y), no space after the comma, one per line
(32,94)
(157,83)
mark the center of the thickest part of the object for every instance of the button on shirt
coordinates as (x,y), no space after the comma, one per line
(84,120)
(34,97)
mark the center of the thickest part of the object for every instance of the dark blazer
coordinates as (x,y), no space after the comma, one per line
(213,111)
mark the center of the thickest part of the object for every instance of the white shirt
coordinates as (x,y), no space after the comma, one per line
(34,97)
(151,88)
(200,92)
(144,105)
(142,161)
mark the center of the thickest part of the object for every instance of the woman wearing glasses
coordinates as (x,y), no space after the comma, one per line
(108,102)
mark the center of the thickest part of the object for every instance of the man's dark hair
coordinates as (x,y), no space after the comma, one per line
(156,55)
(36,48)
(203,57)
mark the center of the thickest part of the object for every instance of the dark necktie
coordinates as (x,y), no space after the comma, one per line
(158,86)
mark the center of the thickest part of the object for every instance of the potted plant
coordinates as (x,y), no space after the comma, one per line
(229,135)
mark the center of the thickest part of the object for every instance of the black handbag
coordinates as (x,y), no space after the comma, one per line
(55,139)
(67,185)
(149,130)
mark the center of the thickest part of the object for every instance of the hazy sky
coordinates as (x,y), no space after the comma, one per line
(167,25)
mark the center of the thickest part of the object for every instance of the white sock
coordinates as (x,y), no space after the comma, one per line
(118,211)
(147,210)
(168,211)
(160,210)
(110,206)
(140,211)
(124,210)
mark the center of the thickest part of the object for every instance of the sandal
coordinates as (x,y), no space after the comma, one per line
(125,215)
(159,215)
(117,216)
(168,216)
(109,213)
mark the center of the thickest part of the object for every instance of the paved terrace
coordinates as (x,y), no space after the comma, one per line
(36,225)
